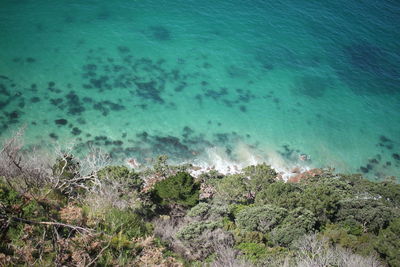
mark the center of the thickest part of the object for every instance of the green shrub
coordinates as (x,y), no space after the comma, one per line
(371,213)
(350,237)
(242,188)
(13,207)
(253,251)
(210,177)
(285,195)
(124,222)
(121,242)
(388,243)
(234,209)
(388,191)
(200,210)
(260,176)
(323,201)
(244,236)
(234,189)
(179,189)
(260,218)
(14,204)
(160,166)
(195,229)
(9,197)
(261,255)
(122,175)
(205,211)
(298,223)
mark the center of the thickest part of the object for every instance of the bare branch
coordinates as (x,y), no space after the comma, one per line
(73,227)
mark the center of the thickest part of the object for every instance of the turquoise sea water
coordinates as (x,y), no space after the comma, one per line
(207,81)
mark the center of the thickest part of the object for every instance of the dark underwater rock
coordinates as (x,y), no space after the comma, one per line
(61,122)
(364,169)
(160,33)
(76,131)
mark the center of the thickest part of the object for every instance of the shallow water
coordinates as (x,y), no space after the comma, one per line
(207,82)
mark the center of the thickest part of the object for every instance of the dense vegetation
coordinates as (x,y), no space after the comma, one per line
(88,213)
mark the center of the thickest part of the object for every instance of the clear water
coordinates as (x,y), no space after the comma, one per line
(207,81)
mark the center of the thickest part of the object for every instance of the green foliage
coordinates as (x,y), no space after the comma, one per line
(14,208)
(285,195)
(179,189)
(160,166)
(371,213)
(350,236)
(260,218)
(260,176)
(211,176)
(123,222)
(298,223)
(261,255)
(121,252)
(66,167)
(234,209)
(388,243)
(195,229)
(323,200)
(244,236)
(9,197)
(234,189)
(200,210)
(352,227)
(122,175)
(388,191)
(120,242)
(14,204)
(253,251)
(242,188)
(206,211)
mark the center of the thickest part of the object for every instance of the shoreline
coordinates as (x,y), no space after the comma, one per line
(216,159)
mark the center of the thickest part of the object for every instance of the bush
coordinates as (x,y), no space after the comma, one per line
(281,194)
(14,204)
(371,213)
(245,236)
(260,176)
(323,201)
(261,255)
(123,222)
(9,197)
(195,229)
(200,210)
(205,211)
(234,189)
(253,251)
(350,237)
(298,223)
(261,218)
(122,175)
(389,191)
(235,209)
(388,243)
(243,188)
(179,189)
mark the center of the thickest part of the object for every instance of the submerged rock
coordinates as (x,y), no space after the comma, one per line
(61,122)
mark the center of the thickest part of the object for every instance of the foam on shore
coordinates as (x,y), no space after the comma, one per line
(216,158)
